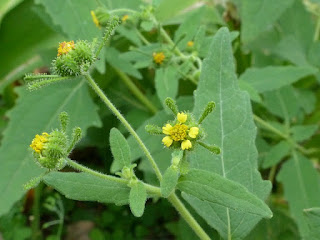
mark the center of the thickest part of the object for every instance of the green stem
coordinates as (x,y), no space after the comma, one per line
(36,232)
(175,201)
(317,31)
(122,10)
(116,112)
(282,135)
(143,39)
(81,168)
(136,91)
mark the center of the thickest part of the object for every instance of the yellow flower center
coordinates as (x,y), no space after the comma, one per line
(178,132)
(158,57)
(125,18)
(65,47)
(190,44)
(95,19)
(38,142)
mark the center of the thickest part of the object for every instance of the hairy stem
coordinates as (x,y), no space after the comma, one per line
(136,91)
(127,125)
(179,206)
(79,167)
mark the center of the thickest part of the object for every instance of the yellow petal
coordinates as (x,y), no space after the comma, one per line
(193,132)
(186,144)
(166,129)
(167,141)
(182,117)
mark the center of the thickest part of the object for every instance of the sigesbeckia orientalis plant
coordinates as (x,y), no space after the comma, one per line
(182,135)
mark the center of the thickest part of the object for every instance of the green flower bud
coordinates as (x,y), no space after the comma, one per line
(171,104)
(50,150)
(212,148)
(73,59)
(209,108)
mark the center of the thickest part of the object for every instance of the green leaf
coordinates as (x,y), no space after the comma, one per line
(301,182)
(303,132)
(254,95)
(85,187)
(120,150)
(214,188)
(137,199)
(74,18)
(276,154)
(280,227)
(312,215)
(282,102)
(6,6)
(169,181)
(275,77)
(227,126)
(34,113)
(114,59)
(170,8)
(167,83)
(258,15)
(22,57)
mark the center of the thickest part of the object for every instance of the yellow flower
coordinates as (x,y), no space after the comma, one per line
(190,44)
(186,144)
(193,132)
(95,19)
(65,47)
(158,57)
(182,117)
(38,142)
(166,129)
(167,141)
(125,18)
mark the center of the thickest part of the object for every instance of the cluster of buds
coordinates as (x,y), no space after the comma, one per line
(50,150)
(184,132)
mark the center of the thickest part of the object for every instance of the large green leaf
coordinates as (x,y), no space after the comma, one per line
(6,6)
(259,15)
(85,187)
(36,112)
(313,219)
(22,45)
(230,127)
(301,183)
(214,188)
(170,8)
(167,83)
(74,18)
(275,77)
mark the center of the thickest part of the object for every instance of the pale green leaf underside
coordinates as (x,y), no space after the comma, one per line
(230,127)
(214,188)
(34,113)
(301,188)
(120,150)
(137,199)
(85,187)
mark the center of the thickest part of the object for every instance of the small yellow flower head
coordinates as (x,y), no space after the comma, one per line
(95,19)
(65,47)
(182,117)
(186,144)
(158,57)
(193,132)
(190,44)
(125,18)
(181,133)
(38,142)
(167,141)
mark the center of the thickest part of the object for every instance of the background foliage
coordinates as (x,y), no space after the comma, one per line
(263,75)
